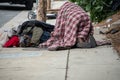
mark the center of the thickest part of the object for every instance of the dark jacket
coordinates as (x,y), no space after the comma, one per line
(33,23)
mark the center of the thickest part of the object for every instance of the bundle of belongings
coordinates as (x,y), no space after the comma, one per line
(5,34)
(34,32)
(73,28)
(29,34)
(113,34)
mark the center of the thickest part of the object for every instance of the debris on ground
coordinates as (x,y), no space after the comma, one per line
(113,34)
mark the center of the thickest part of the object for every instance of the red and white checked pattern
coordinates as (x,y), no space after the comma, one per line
(72,23)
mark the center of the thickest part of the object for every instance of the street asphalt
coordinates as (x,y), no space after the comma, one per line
(7,12)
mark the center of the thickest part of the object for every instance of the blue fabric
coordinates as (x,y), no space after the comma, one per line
(45,36)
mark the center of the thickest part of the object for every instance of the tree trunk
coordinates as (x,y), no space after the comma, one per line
(41,12)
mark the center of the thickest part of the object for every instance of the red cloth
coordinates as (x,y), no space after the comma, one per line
(13,41)
(72,23)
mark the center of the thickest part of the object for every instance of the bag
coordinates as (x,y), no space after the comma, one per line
(90,43)
(12,42)
(25,41)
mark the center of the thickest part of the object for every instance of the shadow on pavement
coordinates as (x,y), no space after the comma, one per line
(12,7)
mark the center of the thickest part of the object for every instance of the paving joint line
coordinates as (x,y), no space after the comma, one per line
(67,65)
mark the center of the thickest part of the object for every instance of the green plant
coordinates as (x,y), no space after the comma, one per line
(98,9)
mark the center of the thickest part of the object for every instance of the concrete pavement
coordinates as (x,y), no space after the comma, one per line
(100,63)
(41,65)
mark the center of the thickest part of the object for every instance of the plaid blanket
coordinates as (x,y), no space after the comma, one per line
(72,22)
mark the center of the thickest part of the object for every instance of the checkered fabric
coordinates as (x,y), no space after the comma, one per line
(72,23)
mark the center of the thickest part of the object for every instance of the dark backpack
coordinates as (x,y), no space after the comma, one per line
(90,43)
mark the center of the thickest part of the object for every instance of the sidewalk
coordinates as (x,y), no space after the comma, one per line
(100,63)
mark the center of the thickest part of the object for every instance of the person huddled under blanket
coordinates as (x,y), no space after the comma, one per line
(72,26)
